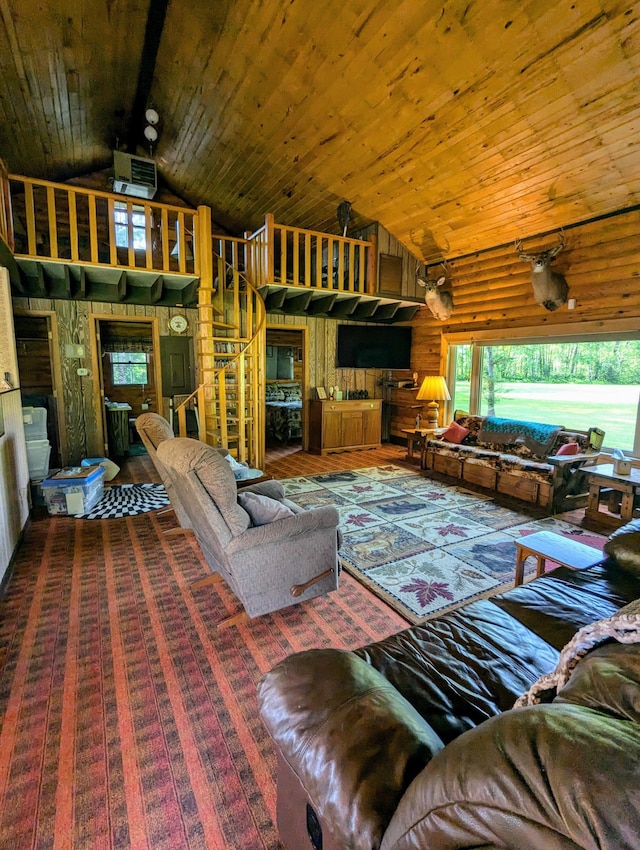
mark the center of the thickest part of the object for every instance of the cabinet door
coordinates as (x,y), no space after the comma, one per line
(372,426)
(331,429)
(352,428)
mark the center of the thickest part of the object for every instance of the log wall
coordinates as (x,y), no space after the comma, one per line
(492,291)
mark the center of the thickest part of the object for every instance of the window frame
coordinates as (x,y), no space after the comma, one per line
(128,227)
(113,363)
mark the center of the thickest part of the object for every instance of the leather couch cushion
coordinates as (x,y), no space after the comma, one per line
(558,604)
(607,679)
(462,667)
(556,777)
(624,545)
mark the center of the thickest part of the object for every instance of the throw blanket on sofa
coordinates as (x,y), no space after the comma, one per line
(536,435)
(624,626)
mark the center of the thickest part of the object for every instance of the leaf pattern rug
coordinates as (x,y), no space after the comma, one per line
(421,545)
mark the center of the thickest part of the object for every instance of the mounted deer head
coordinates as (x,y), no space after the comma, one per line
(440,303)
(549,288)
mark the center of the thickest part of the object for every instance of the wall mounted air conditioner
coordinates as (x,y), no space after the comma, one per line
(134,175)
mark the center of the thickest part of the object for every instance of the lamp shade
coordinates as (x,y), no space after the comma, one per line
(434,388)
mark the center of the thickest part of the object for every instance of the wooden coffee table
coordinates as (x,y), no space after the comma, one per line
(604,476)
(547,545)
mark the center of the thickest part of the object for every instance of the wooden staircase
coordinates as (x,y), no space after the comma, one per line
(230,349)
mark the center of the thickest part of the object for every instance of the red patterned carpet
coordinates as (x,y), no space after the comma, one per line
(127,720)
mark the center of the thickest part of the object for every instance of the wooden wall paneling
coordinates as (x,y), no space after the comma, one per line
(8,356)
(14,478)
(72,401)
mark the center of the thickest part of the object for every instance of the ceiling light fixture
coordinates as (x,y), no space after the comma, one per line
(152,116)
(150,133)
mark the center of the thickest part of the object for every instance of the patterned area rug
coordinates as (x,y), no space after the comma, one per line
(422,545)
(128,500)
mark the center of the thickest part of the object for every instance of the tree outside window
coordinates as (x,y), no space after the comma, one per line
(129,367)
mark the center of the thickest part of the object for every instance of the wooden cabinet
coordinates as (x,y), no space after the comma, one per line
(337,426)
(404,409)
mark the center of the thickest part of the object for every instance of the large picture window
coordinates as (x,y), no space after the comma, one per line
(577,384)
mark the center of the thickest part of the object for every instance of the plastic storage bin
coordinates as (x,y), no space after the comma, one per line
(38,454)
(73,491)
(35,423)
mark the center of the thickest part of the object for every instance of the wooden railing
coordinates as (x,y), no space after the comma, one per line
(284,255)
(73,224)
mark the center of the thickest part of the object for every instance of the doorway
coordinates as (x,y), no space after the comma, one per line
(286,390)
(40,376)
(129,378)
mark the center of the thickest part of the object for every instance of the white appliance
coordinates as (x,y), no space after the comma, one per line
(134,175)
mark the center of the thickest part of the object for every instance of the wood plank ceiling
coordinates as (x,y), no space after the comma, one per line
(458,126)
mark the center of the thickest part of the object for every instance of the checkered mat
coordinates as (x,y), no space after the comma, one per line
(128,500)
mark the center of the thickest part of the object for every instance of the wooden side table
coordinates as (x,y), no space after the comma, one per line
(561,550)
(604,476)
(417,438)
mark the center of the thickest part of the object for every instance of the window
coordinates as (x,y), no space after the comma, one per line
(129,367)
(121,217)
(576,383)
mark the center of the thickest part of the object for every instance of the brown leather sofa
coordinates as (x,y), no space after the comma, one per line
(413,742)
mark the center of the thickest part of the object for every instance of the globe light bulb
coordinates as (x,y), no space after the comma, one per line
(152,116)
(150,133)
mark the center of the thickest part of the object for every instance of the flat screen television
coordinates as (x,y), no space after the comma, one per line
(368,347)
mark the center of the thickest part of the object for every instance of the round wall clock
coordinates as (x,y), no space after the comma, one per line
(178,324)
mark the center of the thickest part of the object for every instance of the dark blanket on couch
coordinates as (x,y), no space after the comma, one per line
(537,436)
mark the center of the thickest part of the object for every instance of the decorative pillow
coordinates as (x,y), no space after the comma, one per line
(455,433)
(568,449)
(262,509)
(272,392)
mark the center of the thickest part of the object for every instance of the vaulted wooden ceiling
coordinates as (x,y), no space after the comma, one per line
(459,125)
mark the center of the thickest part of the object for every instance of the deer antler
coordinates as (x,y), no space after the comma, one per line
(518,249)
(559,246)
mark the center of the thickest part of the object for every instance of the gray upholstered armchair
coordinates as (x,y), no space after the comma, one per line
(154,430)
(271,552)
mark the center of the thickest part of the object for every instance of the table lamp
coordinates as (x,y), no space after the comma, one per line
(434,387)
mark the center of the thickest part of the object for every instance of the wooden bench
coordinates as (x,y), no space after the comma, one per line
(561,550)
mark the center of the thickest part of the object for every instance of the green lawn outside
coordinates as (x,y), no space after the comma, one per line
(611,407)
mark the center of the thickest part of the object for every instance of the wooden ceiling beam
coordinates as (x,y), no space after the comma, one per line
(156,16)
